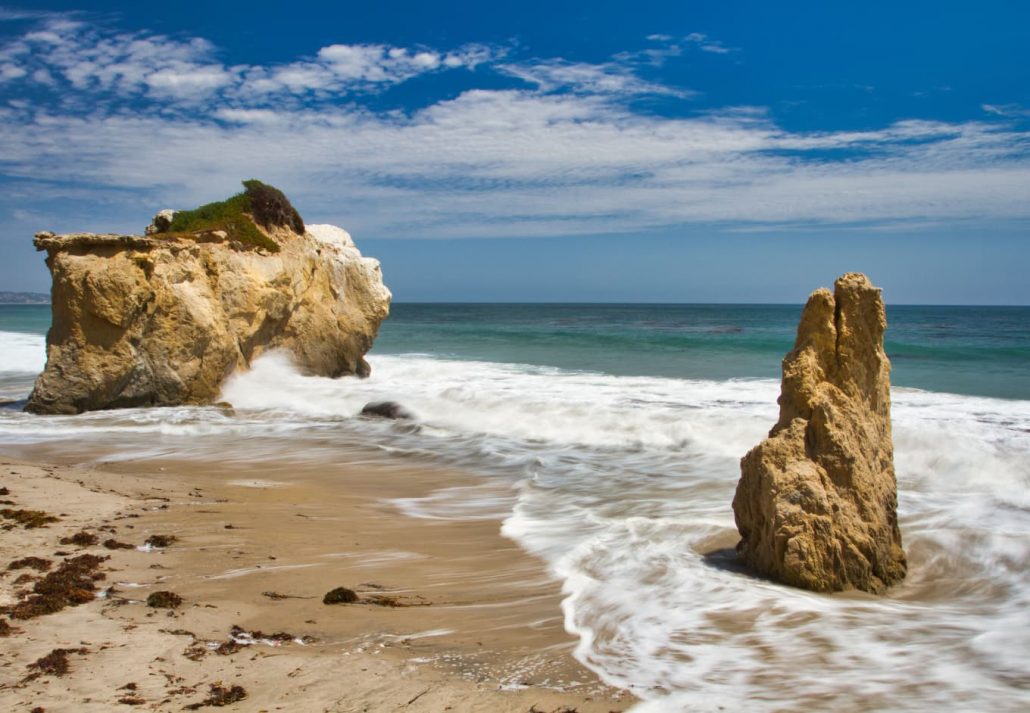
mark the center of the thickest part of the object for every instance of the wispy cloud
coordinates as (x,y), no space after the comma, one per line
(706,44)
(1014,110)
(612,78)
(170,123)
(65,51)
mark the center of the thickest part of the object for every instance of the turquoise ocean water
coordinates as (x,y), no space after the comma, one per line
(606,440)
(982,351)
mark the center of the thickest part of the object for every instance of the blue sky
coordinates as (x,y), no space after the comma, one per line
(680,151)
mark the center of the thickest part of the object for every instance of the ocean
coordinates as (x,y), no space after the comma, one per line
(606,439)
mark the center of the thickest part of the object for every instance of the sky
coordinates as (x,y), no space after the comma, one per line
(581,152)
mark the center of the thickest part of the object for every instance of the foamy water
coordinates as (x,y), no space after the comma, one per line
(622,485)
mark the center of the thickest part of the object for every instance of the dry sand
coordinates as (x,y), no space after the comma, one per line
(477,626)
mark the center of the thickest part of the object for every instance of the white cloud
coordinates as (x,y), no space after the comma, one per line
(607,78)
(566,155)
(132,64)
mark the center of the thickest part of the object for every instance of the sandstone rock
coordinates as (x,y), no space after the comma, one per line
(164,319)
(816,505)
(386,409)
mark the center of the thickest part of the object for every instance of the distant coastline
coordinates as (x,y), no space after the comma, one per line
(24,298)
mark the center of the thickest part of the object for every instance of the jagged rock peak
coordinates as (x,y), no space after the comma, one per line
(816,504)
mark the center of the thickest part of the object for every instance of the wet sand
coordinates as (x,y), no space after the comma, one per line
(450,616)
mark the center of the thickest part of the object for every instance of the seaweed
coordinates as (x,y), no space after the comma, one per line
(37,563)
(340,595)
(71,584)
(220,696)
(164,600)
(29,519)
(227,648)
(80,539)
(113,544)
(53,664)
(161,540)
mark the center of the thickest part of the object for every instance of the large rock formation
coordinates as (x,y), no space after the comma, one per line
(163,319)
(816,505)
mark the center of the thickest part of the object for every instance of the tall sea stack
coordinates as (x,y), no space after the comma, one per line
(816,505)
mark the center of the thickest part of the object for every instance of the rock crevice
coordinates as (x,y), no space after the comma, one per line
(816,505)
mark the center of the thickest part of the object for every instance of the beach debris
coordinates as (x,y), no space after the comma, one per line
(80,539)
(279,595)
(71,584)
(340,595)
(160,541)
(816,504)
(113,544)
(164,600)
(29,519)
(239,635)
(386,409)
(227,648)
(37,563)
(219,696)
(53,664)
(132,699)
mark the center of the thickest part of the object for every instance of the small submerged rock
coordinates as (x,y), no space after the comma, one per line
(386,409)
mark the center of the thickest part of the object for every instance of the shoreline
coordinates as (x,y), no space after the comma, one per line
(451,615)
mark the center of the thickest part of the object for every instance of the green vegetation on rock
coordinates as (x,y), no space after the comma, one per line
(239,216)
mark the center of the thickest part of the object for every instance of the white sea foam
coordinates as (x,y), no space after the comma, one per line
(623,485)
(22,353)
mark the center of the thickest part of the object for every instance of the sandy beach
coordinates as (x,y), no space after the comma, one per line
(450,615)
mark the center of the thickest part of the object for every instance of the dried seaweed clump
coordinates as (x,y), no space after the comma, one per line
(160,540)
(37,563)
(220,696)
(71,584)
(113,544)
(29,519)
(80,539)
(54,664)
(340,595)
(164,600)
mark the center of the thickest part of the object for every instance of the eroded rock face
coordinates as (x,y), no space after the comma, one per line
(816,505)
(164,319)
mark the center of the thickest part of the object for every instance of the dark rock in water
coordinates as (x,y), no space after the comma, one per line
(340,595)
(386,409)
